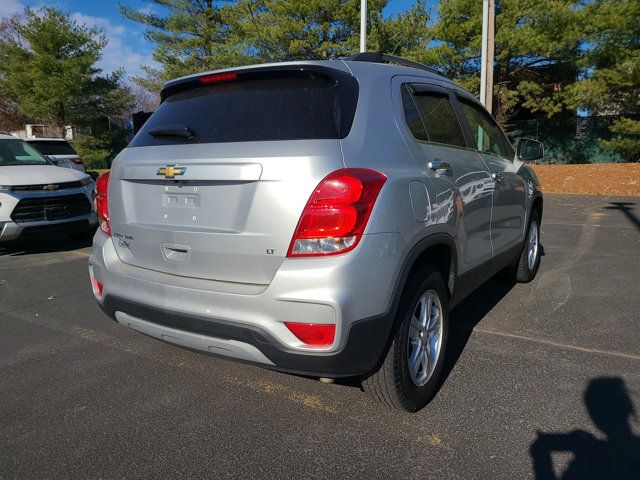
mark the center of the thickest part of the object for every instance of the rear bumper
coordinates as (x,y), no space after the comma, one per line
(246,322)
(366,340)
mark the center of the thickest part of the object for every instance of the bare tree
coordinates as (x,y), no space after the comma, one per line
(8,30)
(11,118)
(145,101)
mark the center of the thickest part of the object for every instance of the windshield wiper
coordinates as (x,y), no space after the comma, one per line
(179,131)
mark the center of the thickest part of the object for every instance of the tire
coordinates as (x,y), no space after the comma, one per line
(393,384)
(526,269)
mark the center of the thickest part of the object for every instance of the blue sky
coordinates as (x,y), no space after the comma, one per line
(127,46)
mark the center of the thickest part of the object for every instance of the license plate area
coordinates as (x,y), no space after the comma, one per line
(181,200)
(56,213)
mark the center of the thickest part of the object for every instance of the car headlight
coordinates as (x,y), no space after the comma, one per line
(84,182)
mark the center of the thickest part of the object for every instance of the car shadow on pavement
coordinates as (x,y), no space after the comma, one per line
(627,209)
(468,313)
(43,244)
(617,455)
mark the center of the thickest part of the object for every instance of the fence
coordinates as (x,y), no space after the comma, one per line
(570,139)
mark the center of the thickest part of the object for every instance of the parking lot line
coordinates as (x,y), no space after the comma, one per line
(577,224)
(550,343)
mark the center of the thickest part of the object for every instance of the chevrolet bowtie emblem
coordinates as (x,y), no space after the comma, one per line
(171,171)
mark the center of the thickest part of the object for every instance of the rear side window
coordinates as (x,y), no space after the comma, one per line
(52,147)
(275,106)
(412,116)
(439,121)
(486,133)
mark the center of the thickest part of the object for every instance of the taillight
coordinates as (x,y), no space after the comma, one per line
(337,213)
(101,201)
(77,161)
(314,335)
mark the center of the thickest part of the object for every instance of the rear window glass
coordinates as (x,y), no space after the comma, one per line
(288,107)
(48,147)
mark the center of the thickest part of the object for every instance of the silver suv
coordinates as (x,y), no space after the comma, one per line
(319,218)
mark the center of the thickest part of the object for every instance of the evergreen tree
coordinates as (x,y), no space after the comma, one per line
(47,67)
(194,36)
(611,84)
(537,43)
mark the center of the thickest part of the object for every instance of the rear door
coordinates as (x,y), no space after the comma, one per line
(440,138)
(222,200)
(509,198)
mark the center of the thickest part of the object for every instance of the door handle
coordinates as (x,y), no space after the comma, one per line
(440,167)
(498,177)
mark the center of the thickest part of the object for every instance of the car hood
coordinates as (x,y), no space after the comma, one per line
(37,175)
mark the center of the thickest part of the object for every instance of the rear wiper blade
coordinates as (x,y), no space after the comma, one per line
(180,131)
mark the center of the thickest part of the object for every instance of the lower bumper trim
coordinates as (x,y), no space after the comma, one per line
(366,343)
(217,346)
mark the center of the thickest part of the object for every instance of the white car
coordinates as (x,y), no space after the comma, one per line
(58,151)
(37,197)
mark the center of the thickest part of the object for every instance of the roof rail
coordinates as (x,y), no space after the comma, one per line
(378,57)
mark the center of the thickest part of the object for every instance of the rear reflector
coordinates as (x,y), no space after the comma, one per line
(218,78)
(96,286)
(313,334)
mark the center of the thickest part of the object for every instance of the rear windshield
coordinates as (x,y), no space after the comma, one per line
(294,106)
(51,147)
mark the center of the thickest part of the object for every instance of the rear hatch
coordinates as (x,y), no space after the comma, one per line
(213,185)
(59,152)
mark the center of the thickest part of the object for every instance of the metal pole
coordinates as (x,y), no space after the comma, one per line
(483,51)
(487,50)
(490,52)
(363,25)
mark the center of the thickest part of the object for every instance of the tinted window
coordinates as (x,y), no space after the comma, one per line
(412,116)
(16,152)
(486,133)
(439,121)
(52,147)
(285,108)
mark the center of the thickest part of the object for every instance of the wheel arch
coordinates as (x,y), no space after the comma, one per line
(438,250)
(537,205)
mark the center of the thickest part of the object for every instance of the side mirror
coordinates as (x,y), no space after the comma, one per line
(530,150)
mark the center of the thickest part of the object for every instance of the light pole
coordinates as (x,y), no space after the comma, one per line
(363,25)
(486,56)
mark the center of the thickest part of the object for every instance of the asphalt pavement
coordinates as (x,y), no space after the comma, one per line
(542,379)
